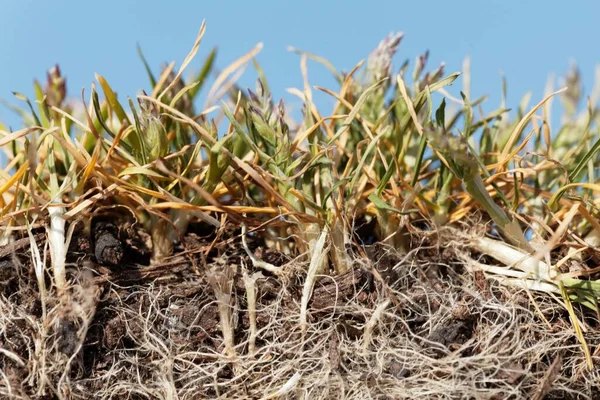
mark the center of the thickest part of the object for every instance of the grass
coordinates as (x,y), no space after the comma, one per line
(505,195)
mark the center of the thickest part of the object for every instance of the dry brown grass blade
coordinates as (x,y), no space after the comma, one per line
(124,129)
(10,137)
(68,146)
(557,237)
(82,204)
(409,104)
(503,159)
(304,72)
(125,187)
(466,75)
(512,153)
(339,97)
(187,60)
(588,217)
(90,126)
(205,195)
(243,209)
(347,86)
(237,64)
(549,377)
(305,134)
(547,115)
(163,78)
(89,169)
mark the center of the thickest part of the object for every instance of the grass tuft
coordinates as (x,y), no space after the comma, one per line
(493,216)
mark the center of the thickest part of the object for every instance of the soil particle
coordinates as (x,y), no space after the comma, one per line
(271,256)
(330,293)
(6,271)
(67,337)
(397,370)
(189,326)
(11,256)
(385,260)
(108,249)
(457,332)
(114,332)
(349,331)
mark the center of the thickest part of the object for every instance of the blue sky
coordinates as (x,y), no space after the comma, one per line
(525,39)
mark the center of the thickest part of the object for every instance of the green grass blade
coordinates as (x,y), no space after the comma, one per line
(146,66)
(111,97)
(203,74)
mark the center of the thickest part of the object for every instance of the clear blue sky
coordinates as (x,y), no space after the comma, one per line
(525,39)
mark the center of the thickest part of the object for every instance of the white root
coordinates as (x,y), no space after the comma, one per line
(38,265)
(13,356)
(222,285)
(532,274)
(510,277)
(250,285)
(527,284)
(286,388)
(472,265)
(255,261)
(317,257)
(58,246)
(373,322)
(511,257)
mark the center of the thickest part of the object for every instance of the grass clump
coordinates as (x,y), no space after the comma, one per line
(392,246)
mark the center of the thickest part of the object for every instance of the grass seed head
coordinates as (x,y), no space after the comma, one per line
(153,130)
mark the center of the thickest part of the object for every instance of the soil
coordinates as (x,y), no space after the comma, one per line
(139,331)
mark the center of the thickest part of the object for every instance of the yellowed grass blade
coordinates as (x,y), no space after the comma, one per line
(9,183)
(577,326)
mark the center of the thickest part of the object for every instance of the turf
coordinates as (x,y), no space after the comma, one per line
(404,244)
